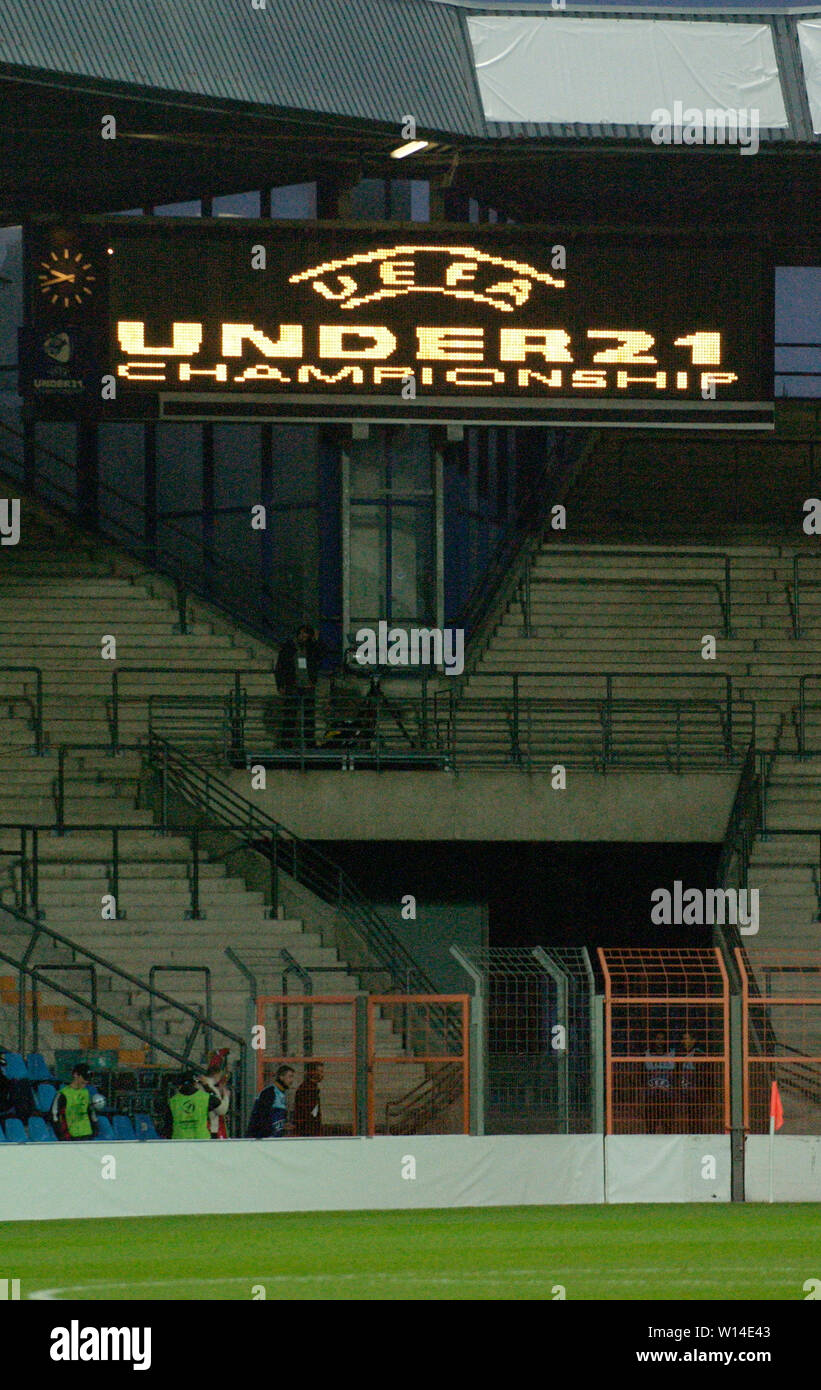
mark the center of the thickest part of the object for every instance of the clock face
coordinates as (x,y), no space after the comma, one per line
(66,278)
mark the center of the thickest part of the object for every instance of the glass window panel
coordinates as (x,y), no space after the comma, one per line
(179,467)
(368,597)
(413,586)
(190,209)
(368,465)
(294,200)
(237,205)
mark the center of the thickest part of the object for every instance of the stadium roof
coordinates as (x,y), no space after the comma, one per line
(216,95)
(458,68)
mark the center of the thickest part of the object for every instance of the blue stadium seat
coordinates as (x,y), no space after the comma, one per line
(15,1068)
(44,1097)
(2,1135)
(16,1132)
(123,1128)
(37,1069)
(144,1126)
(104,1130)
(40,1132)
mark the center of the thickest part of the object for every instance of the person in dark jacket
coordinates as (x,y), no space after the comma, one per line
(307,1102)
(296,675)
(269,1117)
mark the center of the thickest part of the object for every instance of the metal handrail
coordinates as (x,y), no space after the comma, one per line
(802,711)
(37,712)
(646,583)
(234,675)
(183,970)
(38,930)
(224,809)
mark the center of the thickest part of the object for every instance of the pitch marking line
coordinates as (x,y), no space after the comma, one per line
(636,1275)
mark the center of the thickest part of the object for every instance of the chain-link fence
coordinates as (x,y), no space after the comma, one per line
(536,1047)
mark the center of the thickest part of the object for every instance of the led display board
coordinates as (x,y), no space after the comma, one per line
(222,319)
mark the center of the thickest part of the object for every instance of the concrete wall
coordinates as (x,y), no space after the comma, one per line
(438,926)
(633,806)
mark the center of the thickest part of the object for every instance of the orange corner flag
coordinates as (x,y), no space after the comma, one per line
(776,1108)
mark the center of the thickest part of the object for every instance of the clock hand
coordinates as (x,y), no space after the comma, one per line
(59,276)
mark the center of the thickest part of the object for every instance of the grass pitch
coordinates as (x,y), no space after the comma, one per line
(625,1252)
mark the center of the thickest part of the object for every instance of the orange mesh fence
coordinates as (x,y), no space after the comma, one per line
(302,1031)
(418,1064)
(667,1061)
(781,992)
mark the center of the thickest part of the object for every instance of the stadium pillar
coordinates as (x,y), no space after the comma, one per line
(478,1042)
(361,1036)
(737,1080)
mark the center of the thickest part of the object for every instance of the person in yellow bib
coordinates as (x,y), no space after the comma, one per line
(188,1110)
(72,1111)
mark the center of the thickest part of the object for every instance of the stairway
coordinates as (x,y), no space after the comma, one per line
(60,596)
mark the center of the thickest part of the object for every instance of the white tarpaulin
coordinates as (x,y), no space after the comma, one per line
(46,1181)
(809,37)
(667,1167)
(796,1168)
(620,71)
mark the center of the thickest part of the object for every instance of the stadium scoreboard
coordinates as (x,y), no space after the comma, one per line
(221,319)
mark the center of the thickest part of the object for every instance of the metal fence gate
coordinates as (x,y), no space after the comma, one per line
(303,1028)
(781,1039)
(418,1064)
(667,1041)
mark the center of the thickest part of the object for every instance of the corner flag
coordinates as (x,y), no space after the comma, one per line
(776,1108)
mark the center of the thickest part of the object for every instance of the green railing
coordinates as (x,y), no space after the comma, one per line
(224,810)
(35,703)
(449,729)
(29,935)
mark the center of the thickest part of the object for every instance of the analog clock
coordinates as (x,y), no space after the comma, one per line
(66,278)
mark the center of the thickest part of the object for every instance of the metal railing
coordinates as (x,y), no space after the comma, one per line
(450,729)
(805,748)
(31,934)
(501,578)
(648,584)
(223,809)
(34,705)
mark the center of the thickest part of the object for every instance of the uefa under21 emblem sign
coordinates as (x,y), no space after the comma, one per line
(458,272)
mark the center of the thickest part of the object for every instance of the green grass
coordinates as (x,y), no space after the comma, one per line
(625,1252)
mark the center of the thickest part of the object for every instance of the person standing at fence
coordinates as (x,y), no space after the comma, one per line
(269,1117)
(296,675)
(691,1082)
(72,1110)
(659,1067)
(308,1103)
